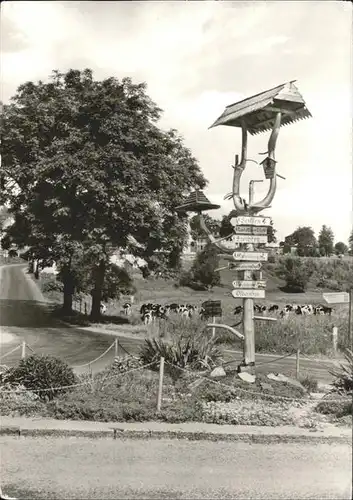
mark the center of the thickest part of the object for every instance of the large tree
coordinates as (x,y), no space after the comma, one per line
(92,168)
(212,224)
(303,238)
(326,241)
(341,248)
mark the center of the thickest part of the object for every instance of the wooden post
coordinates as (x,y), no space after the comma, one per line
(160,385)
(213,329)
(116,348)
(85,308)
(334,339)
(91,376)
(248,327)
(350,335)
(23,351)
(80,305)
(297,363)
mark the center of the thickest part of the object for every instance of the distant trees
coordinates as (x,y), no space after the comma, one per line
(350,243)
(295,273)
(92,168)
(341,248)
(303,238)
(326,241)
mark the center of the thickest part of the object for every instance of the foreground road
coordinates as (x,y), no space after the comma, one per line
(79,468)
(25,315)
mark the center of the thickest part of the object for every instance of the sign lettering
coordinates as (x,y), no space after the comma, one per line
(246,266)
(248,294)
(249,284)
(252,256)
(251,221)
(251,230)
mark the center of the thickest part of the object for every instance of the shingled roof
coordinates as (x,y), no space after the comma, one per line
(259,111)
(196,201)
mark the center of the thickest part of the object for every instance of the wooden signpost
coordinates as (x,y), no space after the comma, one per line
(251,221)
(248,294)
(251,256)
(251,285)
(245,266)
(251,230)
(246,238)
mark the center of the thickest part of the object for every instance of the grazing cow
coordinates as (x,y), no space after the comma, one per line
(304,310)
(103,308)
(183,311)
(238,310)
(127,309)
(174,307)
(147,317)
(273,308)
(321,310)
(259,308)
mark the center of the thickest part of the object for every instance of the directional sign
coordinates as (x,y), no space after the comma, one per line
(246,266)
(254,285)
(244,238)
(248,294)
(252,256)
(251,230)
(251,221)
(336,298)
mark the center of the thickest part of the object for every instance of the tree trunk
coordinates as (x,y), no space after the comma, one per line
(97,291)
(68,290)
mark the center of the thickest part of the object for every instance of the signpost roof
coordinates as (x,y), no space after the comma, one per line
(259,111)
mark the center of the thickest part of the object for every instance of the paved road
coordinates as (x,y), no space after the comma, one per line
(25,314)
(79,468)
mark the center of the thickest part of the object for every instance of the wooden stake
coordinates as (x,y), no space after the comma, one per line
(297,364)
(213,328)
(116,348)
(350,335)
(23,352)
(334,339)
(160,385)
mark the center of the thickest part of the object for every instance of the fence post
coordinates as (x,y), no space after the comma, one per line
(334,339)
(213,329)
(80,305)
(297,363)
(85,308)
(91,377)
(116,348)
(160,385)
(23,351)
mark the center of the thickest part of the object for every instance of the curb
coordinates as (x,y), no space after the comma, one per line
(119,433)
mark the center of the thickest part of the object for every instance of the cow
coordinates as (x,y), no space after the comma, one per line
(273,308)
(238,310)
(259,308)
(103,308)
(321,310)
(127,308)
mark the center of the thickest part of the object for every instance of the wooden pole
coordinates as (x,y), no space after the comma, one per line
(248,327)
(23,351)
(160,385)
(350,335)
(334,339)
(297,363)
(116,348)
(213,328)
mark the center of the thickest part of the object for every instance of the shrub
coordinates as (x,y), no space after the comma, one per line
(49,283)
(310,383)
(337,408)
(123,364)
(43,372)
(343,383)
(202,272)
(295,273)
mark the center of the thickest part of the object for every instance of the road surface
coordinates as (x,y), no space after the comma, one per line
(25,315)
(80,468)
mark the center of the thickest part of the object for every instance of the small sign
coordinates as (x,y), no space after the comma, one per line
(252,256)
(246,266)
(244,238)
(336,298)
(248,294)
(251,221)
(251,230)
(212,308)
(249,284)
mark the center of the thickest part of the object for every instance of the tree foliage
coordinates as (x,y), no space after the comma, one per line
(296,273)
(303,238)
(350,243)
(341,248)
(92,168)
(326,241)
(212,224)
(203,268)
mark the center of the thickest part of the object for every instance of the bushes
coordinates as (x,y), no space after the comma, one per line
(296,274)
(202,275)
(343,383)
(42,372)
(49,283)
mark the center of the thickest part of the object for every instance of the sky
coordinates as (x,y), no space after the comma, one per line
(198,57)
